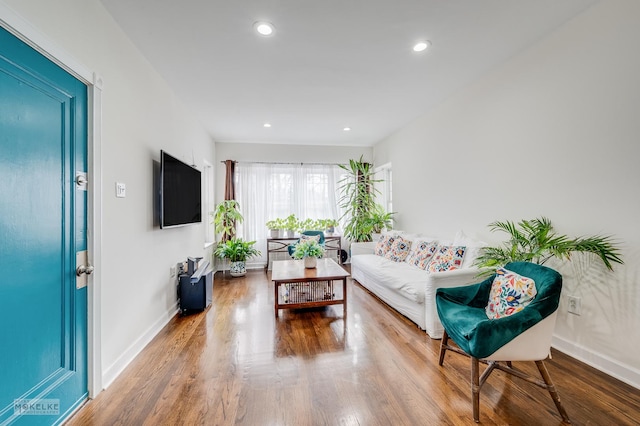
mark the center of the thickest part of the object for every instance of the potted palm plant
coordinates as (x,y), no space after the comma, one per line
(357,198)
(310,251)
(535,241)
(237,251)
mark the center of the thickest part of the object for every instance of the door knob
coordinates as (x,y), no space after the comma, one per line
(84,269)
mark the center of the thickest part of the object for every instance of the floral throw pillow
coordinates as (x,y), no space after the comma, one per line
(384,245)
(447,258)
(421,254)
(510,293)
(305,237)
(399,250)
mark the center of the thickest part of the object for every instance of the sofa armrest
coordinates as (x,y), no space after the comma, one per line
(362,248)
(455,278)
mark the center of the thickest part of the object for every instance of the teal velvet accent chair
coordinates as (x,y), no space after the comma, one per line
(292,247)
(523,336)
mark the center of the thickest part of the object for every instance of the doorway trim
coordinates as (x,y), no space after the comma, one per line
(25,31)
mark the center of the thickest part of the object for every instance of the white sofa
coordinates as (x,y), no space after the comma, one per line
(408,289)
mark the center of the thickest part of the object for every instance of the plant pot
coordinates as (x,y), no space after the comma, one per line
(275,233)
(330,231)
(310,262)
(238,269)
(289,233)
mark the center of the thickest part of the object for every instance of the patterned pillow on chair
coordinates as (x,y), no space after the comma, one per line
(399,250)
(305,237)
(510,293)
(422,253)
(447,258)
(384,245)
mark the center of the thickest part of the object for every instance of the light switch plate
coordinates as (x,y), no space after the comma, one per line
(121,190)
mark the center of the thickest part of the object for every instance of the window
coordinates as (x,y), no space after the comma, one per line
(385,197)
(268,191)
(208,204)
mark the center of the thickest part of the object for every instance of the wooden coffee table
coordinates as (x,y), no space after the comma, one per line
(296,287)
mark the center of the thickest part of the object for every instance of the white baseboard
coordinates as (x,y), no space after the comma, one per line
(114,370)
(607,365)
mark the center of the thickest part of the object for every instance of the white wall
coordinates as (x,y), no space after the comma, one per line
(553,131)
(140,116)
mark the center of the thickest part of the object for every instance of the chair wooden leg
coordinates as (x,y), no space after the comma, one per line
(475,388)
(552,390)
(443,347)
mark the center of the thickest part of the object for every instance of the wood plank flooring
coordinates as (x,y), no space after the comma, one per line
(236,364)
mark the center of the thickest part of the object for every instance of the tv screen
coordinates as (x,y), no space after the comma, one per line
(180,192)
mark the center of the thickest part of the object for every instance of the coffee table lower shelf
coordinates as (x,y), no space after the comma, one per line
(309,294)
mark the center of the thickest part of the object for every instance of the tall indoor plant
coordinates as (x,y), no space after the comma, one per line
(237,251)
(536,241)
(357,198)
(225,217)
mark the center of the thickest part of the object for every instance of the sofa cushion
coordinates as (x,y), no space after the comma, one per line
(407,280)
(447,258)
(399,250)
(421,253)
(384,244)
(510,293)
(474,248)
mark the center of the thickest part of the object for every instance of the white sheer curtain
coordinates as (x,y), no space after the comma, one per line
(267,191)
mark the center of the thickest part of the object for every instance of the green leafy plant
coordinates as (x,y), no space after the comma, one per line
(308,248)
(330,223)
(380,219)
(357,198)
(535,241)
(275,224)
(291,223)
(307,225)
(236,250)
(225,217)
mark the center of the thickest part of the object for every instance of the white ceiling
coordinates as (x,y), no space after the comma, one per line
(330,63)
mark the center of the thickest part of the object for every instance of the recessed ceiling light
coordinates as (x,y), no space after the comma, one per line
(347,129)
(267,124)
(420,46)
(264,28)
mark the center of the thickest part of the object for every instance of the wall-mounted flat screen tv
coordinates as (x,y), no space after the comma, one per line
(180,192)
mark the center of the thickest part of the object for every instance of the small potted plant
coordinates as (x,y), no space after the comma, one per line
(330,226)
(310,251)
(276,228)
(291,225)
(237,251)
(379,220)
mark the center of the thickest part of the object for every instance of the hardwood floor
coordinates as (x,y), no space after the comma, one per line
(237,364)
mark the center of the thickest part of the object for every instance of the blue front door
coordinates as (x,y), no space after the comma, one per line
(43,315)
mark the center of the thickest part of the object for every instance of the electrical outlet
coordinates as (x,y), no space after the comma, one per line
(172,271)
(573,305)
